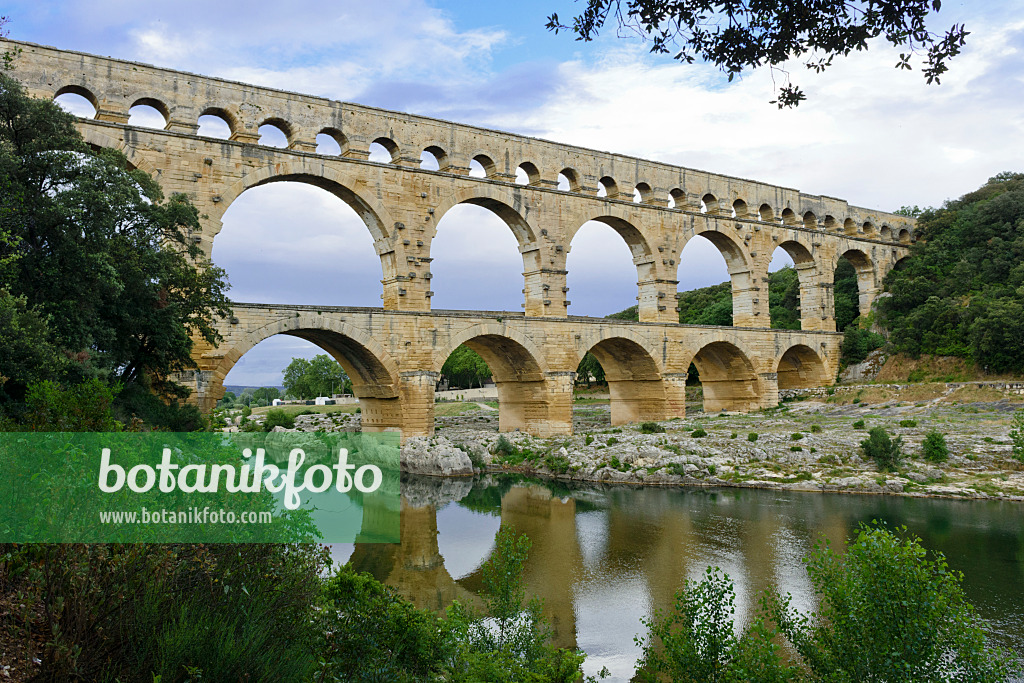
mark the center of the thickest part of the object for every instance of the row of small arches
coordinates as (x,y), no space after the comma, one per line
(275,132)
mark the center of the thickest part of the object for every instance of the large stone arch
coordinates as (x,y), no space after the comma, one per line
(333,178)
(509,206)
(374,373)
(634,376)
(728,376)
(801,367)
(95,137)
(745,302)
(867,274)
(651,278)
(512,209)
(814,309)
(534,368)
(518,369)
(364,359)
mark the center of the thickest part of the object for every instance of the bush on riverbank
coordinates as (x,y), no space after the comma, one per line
(934,448)
(885,451)
(887,612)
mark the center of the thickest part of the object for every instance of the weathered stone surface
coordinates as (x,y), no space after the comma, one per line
(434,456)
(394,356)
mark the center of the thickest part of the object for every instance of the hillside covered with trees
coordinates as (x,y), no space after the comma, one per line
(962,293)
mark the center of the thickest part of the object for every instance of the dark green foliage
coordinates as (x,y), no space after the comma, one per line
(503,446)
(934,448)
(962,293)
(27,351)
(784,299)
(611,441)
(651,428)
(129,612)
(706,305)
(908,423)
(889,612)
(698,433)
(589,370)
(557,463)
(465,368)
(137,400)
(816,429)
(696,643)
(846,294)
(796,436)
(85,407)
(885,451)
(739,36)
(306,379)
(96,267)
(796,448)
(859,424)
(278,418)
(752,437)
(858,343)
(1017,435)
(376,635)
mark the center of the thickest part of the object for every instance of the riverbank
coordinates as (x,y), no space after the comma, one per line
(811,442)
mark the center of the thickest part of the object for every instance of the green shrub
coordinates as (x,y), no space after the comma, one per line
(503,446)
(677,468)
(278,418)
(557,463)
(696,642)
(651,428)
(908,423)
(886,452)
(588,440)
(378,635)
(698,433)
(1017,435)
(859,424)
(85,407)
(815,429)
(796,436)
(934,448)
(612,441)
(135,612)
(752,436)
(712,469)
(733,435)
(796,448)
(888,612)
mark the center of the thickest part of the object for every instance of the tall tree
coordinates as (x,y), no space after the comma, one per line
(321,376)
(465,368)
(735,35)
(91,251)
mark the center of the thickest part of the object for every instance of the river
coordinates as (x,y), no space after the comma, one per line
(602,558)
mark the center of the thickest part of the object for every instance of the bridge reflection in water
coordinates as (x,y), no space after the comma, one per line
(602,559)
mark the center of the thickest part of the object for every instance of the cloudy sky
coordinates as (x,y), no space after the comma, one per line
(878,137)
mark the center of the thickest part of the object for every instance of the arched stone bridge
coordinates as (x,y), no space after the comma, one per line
(395,353)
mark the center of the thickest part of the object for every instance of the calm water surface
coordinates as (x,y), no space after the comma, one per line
(603,558)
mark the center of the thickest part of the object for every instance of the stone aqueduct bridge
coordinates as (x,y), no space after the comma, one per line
(394,354)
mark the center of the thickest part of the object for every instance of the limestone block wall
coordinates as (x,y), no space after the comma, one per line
(395,358)
(656,208)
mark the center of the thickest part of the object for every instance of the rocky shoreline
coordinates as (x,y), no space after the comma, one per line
(811,442)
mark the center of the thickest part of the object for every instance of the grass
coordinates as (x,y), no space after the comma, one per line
(455,408)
